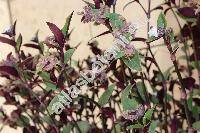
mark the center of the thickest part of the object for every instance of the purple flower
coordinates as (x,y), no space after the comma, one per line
(51,41)
(47,63)
(87,14)
(129,50)
(94,15)
(134,114)
(125,29)
(10,61)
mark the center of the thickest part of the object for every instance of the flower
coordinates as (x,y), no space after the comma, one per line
(87,14)
(47,62)
(51,41)
(153,32)
(127,28)
(10,61)
(134,114)
(156,32)
(129,49)
(94,15)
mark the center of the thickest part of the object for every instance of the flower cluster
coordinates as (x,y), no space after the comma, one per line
(127,28)
(50,40)
(94,15)
(10,61)
(122,31)
(47,63)
(134,114)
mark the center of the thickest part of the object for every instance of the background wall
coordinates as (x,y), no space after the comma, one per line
(32,15)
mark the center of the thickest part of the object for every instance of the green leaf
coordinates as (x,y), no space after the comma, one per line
(67,128)
(196,111)
(128,36)
(166,74)
(50,86)
(106,95)
(172,37)
(22,121)
(196,125)
(195,64)
(54,100)
(119,54)
(83,126)
(44,75)
(148,115)
(141,90)
(47,120)
(89,4)
(153,126)
(134,62)
(126,102)
(154,99)
(161,22)
(189,103)
(74,63)
(196,92)
(169,97)
(116,128)
(41,44)
(135,126)
(19,42)
(65,29)
(68,55)
(115,20)
(23,92)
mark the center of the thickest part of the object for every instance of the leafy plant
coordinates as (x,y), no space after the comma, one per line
(132,93)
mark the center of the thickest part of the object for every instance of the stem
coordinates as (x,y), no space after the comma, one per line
(185,44)
(195,52)
(183,89)
(163,78)
(24,80)
(76,124)
(163,83)
(145,91)
(123,71)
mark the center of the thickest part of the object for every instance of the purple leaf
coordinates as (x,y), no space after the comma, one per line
(174,2)
(157,8)
(104,33)
(109,2)
(187,12)
(9,70)
(189,82)
(27,61)
(11,31)
(97,3)
(31,45)
(139,39)
(57,33)
(35,38)
(185,31)
(7,41)
(107,112)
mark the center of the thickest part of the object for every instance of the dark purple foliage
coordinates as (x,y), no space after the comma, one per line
(57,33)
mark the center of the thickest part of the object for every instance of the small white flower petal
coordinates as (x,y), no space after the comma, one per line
(153,32)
